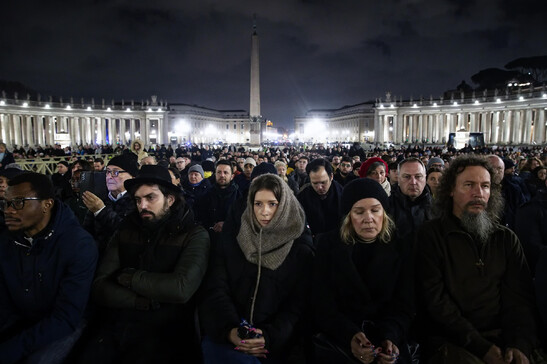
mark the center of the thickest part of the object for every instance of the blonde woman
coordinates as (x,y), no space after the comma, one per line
(281,168)
(362,292)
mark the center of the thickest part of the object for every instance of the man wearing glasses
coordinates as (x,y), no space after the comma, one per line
(104,217)
(47,263)
(344,173)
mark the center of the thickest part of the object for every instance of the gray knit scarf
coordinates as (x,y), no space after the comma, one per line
(268,246)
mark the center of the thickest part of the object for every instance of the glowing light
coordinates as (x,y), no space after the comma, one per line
(88,108)
(455,103)
(435,104)
(68,107)
(498,100)
(414,105)
(476,102)
(108,109)
(25,104)
(521,98)
(381,106)
(392,106)
(2,103)
(46,106)
(128,110)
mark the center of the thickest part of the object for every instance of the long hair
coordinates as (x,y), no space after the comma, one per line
(443,205)
(349,235)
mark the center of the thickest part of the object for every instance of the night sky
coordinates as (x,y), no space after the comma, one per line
(313,53)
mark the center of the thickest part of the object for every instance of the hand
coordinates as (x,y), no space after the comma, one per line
(254,347)
(92,202)
(362,348)
(125,276)
(218,226)
(494,356)
(516,356)
(389,353)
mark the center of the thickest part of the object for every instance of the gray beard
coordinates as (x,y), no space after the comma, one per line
(478,225)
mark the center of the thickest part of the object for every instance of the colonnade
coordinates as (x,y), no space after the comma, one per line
(507,122)
(27,128)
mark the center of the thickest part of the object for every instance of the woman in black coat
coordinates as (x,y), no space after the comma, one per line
(260,272)
(363,284)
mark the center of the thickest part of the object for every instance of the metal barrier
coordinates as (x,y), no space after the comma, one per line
(48,165)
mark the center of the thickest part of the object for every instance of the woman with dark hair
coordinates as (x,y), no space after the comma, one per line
(433,179)
(376,169)
(259,272)
(363,284)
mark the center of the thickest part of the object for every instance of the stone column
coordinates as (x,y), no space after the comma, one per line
(507,123)
(146,134)
(486,127)
(527,132)
(516,126)
(123,138)
(40,130)
(398,136)
(28,131)
(495,128)
(539,126)
(472,122)
(132,129)
(102,138)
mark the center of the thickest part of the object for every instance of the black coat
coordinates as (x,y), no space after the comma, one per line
(409,215)
(281,299)
(380,291)
(194,193)
(531,228)
(321,215)
(213,206)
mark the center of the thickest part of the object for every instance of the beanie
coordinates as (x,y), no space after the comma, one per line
(250,160)
(359,189)
(263,168)
(366,165)
(196,168)
(127,163)
(434,160)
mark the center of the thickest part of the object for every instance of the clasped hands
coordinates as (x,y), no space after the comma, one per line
(365,352)
(254,347)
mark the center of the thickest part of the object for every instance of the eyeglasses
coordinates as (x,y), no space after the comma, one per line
(17,203)
(345,165)
(114,173)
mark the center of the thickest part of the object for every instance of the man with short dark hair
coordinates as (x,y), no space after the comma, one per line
(300,175)
(473,278)
(146,282)
(321,198)
(344,173)
(211,209)
(47,263)
(98,164)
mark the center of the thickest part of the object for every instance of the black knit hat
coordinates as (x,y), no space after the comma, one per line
(359,189)
(151,174)
(126,163)
(263,168)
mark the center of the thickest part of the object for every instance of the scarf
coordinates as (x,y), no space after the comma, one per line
(387,187)
(268,246)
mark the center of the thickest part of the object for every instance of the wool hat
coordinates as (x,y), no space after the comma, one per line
(126,163)
(366,165)
(208,166)
(64,163)
(359,189)
(434,160)
(11,171)
(196,168)
(250,160)
(508,163)
(151,174)
(263,168)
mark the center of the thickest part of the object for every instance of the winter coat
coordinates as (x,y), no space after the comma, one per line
(409,215)
(321,215)
(281,299)
(169,264)
(474,295)
(378,291)
(531,228)
(194,193)
(214,205)
(103,226)
(44,286)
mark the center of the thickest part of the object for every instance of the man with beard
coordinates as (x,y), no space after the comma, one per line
(211,209)
(474,284)
(344,173)
(146,282)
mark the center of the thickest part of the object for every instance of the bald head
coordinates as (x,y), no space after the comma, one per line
(498,166)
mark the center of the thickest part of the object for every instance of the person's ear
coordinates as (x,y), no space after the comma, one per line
(170,200)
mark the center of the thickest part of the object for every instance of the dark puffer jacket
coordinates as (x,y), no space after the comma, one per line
(44,287)
(409,215)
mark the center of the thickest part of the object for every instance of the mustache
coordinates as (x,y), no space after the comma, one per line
(146,212)
(477,202)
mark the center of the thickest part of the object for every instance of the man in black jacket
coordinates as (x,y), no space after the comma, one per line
(321,198)
(410,201)
(104,217)
(211,209)
(146,282)
(344,173)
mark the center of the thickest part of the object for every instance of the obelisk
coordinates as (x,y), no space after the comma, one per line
(254,108)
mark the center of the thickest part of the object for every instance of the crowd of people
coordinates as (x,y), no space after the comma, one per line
(326,254)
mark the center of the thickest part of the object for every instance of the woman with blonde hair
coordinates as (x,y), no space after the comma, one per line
(137,147)
(281,168)
(363,284)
